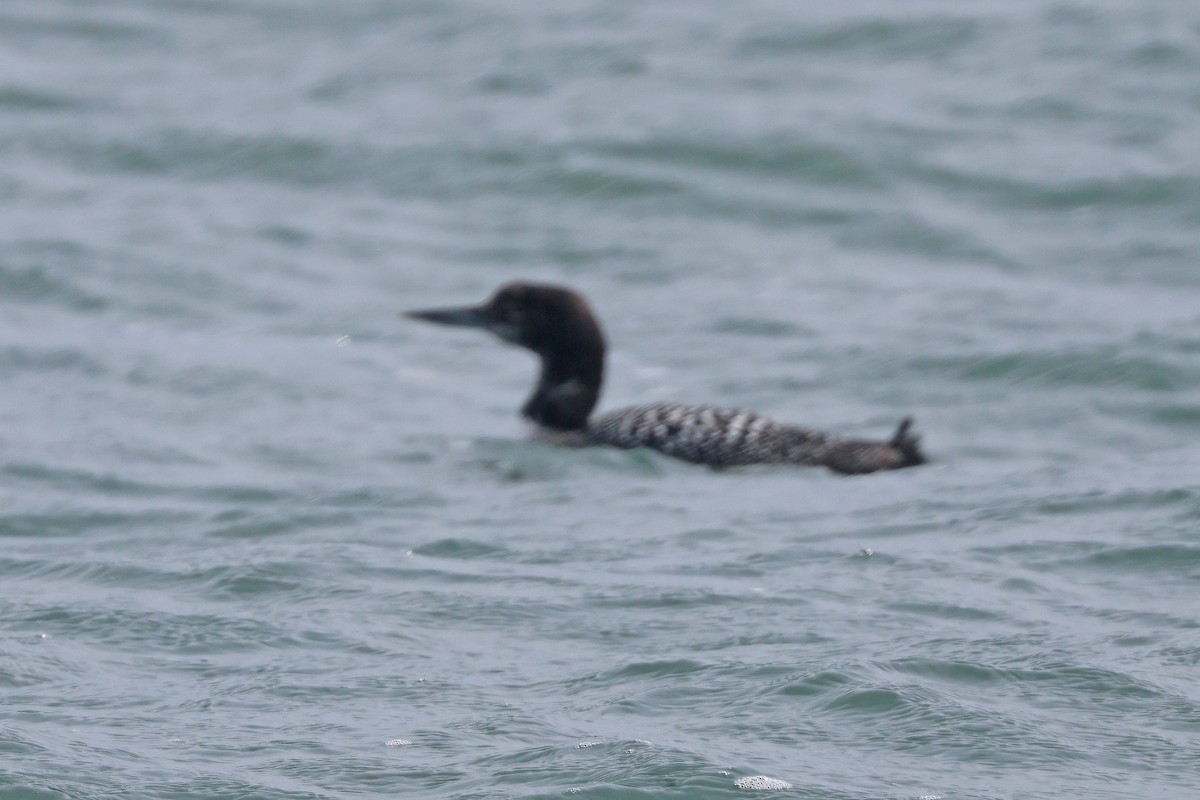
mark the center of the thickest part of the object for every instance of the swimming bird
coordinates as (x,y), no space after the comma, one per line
(557,324)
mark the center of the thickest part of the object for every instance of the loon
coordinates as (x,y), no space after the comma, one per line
(557,324)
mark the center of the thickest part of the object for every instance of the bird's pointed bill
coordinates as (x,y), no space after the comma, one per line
(466,317)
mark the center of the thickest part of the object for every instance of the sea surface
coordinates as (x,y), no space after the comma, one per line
(260,537)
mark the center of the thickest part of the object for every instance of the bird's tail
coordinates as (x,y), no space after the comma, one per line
(908,444)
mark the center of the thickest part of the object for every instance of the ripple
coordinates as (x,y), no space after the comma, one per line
(946,611)
(1160,53)
(248,582)
(811,162)
(1099,367)
(18,99)
(1156,559)
(1094,501)
(655,669)
(961,672)
(76,479)
(109,33)
(1180,416)
(39,285)
(672,599)
(30,359)
(818,684)
(259,525)
(1136,192)
(756,326)
(210,381)
(83,522)
(872,701)
(465,549)
(405,172)
(640,671)
(204,634)
(927,38)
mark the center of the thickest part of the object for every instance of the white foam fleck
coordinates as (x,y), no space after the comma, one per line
(761,783)
(582,745)
(396,743)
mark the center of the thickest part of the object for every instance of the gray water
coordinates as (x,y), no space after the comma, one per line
(261,538)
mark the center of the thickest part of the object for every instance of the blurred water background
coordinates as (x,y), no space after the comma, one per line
(260,538)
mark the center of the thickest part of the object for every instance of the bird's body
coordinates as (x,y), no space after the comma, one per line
(557,324)
(722,437)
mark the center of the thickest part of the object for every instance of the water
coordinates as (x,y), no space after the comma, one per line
(260,538)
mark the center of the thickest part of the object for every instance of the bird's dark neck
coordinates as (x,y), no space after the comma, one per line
(568,387)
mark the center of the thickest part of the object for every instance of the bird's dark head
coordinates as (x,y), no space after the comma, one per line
(555,323)
(552,321)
